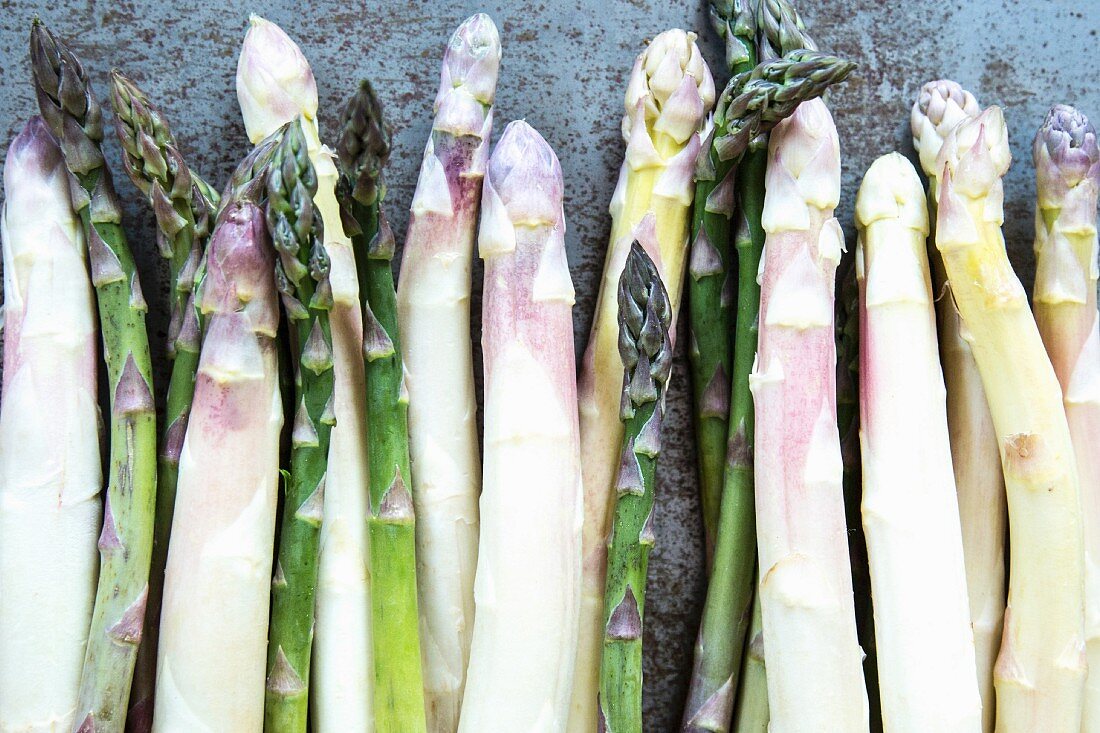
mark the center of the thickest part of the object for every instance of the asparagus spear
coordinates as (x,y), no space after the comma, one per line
(910,510)
(975,456)
(1039,679)
(645,348)
(213,646)
(710,287)
(398,680)
(73,115)
(183,215)
(525,634)
(50,474)
(815,677)
(302,273)
(750,714)
(781,29)
(433,312)
(750,105)
(1067,168)
(669,93)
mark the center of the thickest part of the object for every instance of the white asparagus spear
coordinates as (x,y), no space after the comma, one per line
(527,589)
(213,630)
(927,676)
(1067,166)
(50,475)
(275,85)
(815,672)
(433,308)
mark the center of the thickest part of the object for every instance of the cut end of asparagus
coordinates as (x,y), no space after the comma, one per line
(780,29)
(364,145)
(1065,151)
(670,87)
(940,106)
(645,316)
(274,81)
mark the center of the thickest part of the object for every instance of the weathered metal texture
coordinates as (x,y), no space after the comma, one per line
(565,68)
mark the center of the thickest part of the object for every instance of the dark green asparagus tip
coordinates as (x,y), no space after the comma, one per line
(645,316)
(780,29)
(735,23)
(756,101)
(66,101)
(364,145)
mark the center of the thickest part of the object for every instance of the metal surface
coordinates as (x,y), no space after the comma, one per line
(565,67)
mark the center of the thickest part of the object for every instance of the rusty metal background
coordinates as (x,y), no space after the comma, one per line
(564,70)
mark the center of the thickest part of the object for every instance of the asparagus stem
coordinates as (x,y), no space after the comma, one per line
(398,679)
(302,277)
(750,715)
(50,468)
(781,29)
(183,214)
(645,348)
(750,106)
(74,116)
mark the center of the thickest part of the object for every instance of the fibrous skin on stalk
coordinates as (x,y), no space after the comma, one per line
(1067,168)
(302,276)
(750,106)
(669,94)
(275,85)
(529,560)
(50,475)
(924,643)
(398,679)
(433,309)
(184,214)
(1040,669)
(71,112)
(645,348)
(975,458)
(213,643)
(815,675)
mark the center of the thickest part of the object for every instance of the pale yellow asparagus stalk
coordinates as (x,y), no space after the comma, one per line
(669,94)
(815,671)
(527,591)
(925,648)
(1040,669)
(213,631)
(433,309)
(275,85)
(50,476)
(1067,168)
(975,458)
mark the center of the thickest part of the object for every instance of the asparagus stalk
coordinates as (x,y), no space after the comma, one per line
(525,634)
(750,105)
(398,680)
(669,94)
(183,213)
(711,296)
(781,29)
(274,85)
(302,276)
(645,348)
(73,115)
(1067,168)
(975,457)
(1040,670)
(50,474)
(433,312)
(805,573)
(910,509)
(217,587)
(751,714)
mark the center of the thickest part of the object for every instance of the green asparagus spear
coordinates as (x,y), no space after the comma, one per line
(184,217)
(710,287)
(750,714)
(398,684)
(750,105)
(302,278)
(645,348)
(780,29)
(74,116)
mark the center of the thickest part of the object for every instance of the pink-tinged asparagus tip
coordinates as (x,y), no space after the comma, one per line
(273,79)
(525,176)
(240,274)
(672,83)
(978,147)
(940,106)
(468,78)
(32,155)
(1065,150)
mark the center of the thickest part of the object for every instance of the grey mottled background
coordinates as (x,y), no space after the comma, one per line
(564,70)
